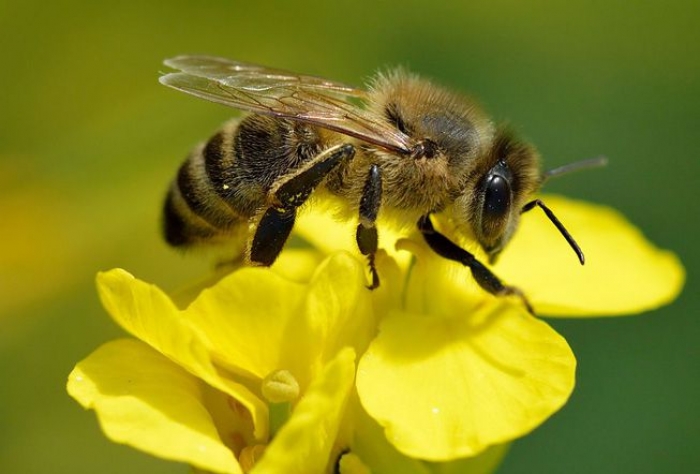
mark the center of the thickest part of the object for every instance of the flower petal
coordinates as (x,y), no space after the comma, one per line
(304,444)
(450,387)
(147,313)
(485,463)
(324,229)
(245,318)
(623,274)
(257,322)
(337,312)
(373,449)
(144,400)
(329,227)
(298,265)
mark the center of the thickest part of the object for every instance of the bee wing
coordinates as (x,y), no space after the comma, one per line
(280,93)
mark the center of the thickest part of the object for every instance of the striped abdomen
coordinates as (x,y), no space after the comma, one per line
(225,182)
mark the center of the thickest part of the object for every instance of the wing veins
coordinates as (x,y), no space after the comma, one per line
(273,92)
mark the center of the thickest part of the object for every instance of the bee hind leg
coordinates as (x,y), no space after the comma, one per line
(271,234)
(290,192)
(451,251)
(366,236)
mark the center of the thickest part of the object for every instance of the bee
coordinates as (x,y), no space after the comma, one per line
(403,146)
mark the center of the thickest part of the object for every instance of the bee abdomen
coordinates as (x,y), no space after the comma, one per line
(195,210)
(181,226)
(225,183)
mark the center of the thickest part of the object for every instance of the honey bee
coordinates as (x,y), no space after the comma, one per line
(404,146)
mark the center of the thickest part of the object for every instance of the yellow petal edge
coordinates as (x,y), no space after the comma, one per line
(144,400)
(445,388)
(624,273)
(149,314)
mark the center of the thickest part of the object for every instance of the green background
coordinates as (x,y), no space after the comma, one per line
(89,141)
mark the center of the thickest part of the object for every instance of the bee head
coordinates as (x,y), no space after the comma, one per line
(505,181)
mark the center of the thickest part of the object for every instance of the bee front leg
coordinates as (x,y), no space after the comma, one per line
(451,251)
(288,193)
(366,236)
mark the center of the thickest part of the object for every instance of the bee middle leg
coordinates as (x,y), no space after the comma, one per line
(451,251)
(288,194)
(366,236)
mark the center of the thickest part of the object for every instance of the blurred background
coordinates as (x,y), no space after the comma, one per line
(89,142)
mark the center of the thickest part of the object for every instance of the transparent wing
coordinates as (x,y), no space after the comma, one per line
(280,93)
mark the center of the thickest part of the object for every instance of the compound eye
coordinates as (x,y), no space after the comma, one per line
(497,197)
(496,218)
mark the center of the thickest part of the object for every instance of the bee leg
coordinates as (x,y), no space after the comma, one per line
(271,234)
(451,251)
(288,194)
(366,236)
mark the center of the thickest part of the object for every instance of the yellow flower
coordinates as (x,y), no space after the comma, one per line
(198,384)
(258,372)
(454,370)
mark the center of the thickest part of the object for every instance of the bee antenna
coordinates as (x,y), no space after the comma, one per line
(597,162)
(557,223)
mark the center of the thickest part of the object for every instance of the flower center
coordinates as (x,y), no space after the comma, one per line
(280,386)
